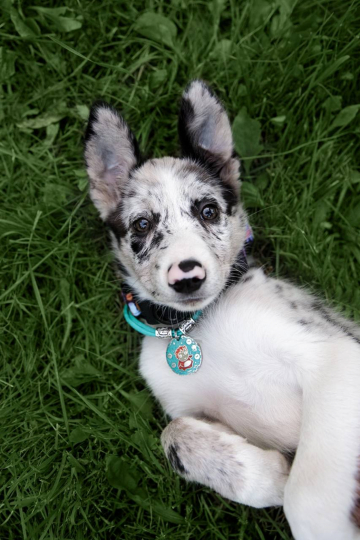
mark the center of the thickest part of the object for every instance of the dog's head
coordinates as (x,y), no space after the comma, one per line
(176,224)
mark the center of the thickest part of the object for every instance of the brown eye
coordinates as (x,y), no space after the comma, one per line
(141,225)
(209,212)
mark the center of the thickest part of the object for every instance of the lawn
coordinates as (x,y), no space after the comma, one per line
(80,456)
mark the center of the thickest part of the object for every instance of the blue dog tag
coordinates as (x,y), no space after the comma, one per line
(184,355)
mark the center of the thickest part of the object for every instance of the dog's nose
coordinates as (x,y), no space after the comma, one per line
(188,264)
(187,276)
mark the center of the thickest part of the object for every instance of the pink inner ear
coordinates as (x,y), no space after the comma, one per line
(110,188)
(112,174)
(208,134)
(175,274)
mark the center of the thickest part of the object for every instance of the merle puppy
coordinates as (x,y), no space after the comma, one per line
(280,371)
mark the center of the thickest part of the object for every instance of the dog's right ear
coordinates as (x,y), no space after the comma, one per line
(205,133)
(111,152)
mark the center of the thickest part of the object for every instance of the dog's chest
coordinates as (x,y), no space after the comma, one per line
(244,381)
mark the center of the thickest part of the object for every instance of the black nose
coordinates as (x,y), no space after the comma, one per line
(186,286)
(188,265)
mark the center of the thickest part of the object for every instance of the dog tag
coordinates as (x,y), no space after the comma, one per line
(184,355)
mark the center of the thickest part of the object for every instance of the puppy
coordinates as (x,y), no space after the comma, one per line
(279,371)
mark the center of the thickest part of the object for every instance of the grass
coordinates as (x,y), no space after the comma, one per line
(80,453)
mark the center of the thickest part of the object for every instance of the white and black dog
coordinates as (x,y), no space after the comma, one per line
(280,371)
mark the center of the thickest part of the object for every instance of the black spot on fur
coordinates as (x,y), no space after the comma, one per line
(156,240)
(321,309)
(303,322)
(195,209)
(278,287)
(143,255)
(115,223)
(293,305)
(230,196)
(157,267)
(155,218)
(137,245)
(174,459)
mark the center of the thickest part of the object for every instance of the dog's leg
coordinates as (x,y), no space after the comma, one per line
(321,491)
(213,455)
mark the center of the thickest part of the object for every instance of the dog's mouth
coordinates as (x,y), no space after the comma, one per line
(191,300)
(190,303)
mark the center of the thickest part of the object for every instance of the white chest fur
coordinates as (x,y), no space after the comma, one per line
(248,378)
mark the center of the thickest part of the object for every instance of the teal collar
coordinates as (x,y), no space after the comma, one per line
(183,353)
(164,332)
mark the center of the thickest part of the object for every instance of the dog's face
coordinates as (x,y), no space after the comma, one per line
(176,224)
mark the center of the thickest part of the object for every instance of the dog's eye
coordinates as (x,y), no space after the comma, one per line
(141,225)
(209,212)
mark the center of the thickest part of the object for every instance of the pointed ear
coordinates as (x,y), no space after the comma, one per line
(111,152)
(205,132)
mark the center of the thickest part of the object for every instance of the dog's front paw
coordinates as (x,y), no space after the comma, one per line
(213,455)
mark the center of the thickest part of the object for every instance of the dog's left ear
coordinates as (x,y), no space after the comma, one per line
(111,152)
(205,132)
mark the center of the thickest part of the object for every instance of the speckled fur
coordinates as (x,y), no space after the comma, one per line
(281,371)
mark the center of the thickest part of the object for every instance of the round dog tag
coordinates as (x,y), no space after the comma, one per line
(184,355)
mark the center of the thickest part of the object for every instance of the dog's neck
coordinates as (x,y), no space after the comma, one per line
(158,314)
